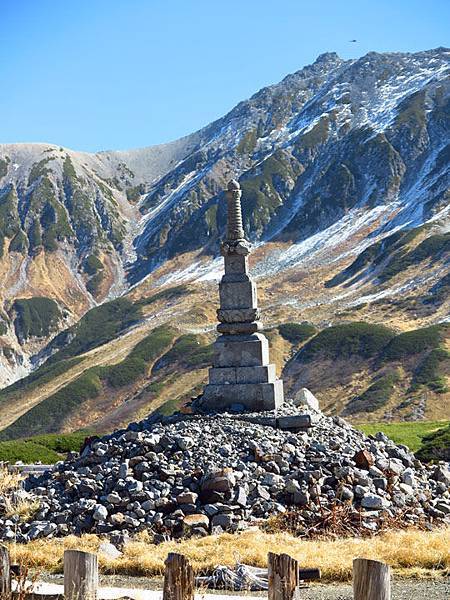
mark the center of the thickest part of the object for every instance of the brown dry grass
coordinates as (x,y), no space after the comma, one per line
(8,481)
(22,506)
(410,553)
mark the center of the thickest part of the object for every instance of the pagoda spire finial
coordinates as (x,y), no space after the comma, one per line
(235,228)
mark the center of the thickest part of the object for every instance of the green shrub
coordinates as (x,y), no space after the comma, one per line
(47,449)
(296,333)
(409,433)
(343,341)
(435,446)
(126,372)
(19,243)
(439,292)
(135,364)
(170,407)
(92,264)
(411,111)
(3,167)
(392,245)
(431,247)
(376,395)
(98,326)
(61,442)
(27,452)
(35,235)
(248,142)
(154,344)
(38,170)
(36,317)
(190,351)
(429,371)
(94,283)
(315,136)
(9,215)
(41,376)
(168,294)
(262,199)
(49,415)
(134,193)
(414,342)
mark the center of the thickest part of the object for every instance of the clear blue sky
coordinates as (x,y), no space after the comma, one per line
(114,74)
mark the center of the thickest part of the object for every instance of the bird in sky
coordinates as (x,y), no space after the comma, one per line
(353,40)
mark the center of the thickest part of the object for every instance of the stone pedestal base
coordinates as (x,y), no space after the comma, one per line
(242,375)
(252,396)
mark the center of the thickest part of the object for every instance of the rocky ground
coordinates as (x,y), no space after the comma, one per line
(402,589)
(194,474)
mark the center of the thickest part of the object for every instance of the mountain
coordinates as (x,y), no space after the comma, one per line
(117,369)
(344,170)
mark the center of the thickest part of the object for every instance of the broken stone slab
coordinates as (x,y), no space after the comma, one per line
(286,423)
(306,398)
(294,422)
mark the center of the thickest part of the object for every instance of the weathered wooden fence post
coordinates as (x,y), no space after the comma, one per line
(371,580)
(5,573)
(283,577)
(178,578)
(80,575)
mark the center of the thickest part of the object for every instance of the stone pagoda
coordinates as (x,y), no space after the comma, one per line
(241,378)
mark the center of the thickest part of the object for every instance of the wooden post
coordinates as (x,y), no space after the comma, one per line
(371,580)
(178,578)
(80,575)
(283,577)
(5,573)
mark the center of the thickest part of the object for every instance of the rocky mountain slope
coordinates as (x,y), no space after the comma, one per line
(344,168)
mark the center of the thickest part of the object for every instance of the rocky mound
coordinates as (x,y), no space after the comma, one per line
(194,474)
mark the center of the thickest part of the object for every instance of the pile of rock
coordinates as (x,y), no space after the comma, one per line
(194,474)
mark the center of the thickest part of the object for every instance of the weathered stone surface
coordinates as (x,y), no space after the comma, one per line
(238,315)
(305,398)
(254,396)
(241,345)
(100,512)
(240,294)
(239,328)
(373,502)
(109,550)
(241,351)
(363,459)
(225,375)
(294,422)
(187,498)
(196,520)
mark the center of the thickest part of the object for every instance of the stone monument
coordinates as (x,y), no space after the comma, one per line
(241,373)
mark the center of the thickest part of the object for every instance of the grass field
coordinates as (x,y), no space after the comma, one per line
(47,449)
(408,433)
(410,553)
